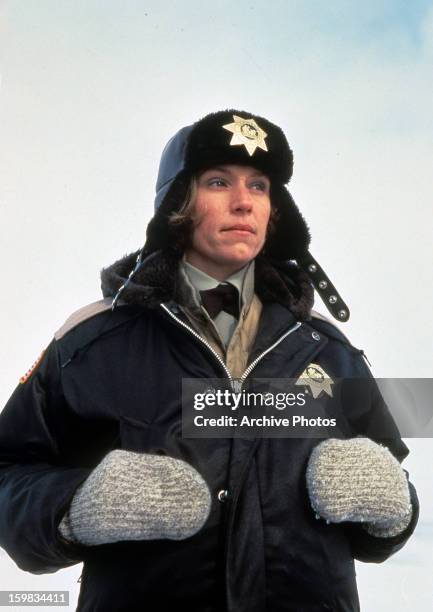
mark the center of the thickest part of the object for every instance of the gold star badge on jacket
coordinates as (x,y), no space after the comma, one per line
(315,377)
(248,133)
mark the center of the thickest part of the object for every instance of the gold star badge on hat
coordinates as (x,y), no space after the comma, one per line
(315,377)
(248,133)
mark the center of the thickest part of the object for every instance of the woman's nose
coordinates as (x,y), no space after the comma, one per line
(241,196)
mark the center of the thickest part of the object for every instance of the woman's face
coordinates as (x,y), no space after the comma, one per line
(232,209)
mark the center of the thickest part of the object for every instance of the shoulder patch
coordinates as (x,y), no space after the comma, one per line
(29,372)
(82,314)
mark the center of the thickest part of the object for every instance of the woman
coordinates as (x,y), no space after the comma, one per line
(94,466)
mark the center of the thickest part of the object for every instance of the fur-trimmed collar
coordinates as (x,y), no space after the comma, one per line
(157,281)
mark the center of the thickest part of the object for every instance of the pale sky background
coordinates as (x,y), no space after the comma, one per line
(91,91)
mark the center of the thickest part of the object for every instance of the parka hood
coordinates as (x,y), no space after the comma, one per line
(157,281)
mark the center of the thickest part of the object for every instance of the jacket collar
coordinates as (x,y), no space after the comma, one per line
(157,281)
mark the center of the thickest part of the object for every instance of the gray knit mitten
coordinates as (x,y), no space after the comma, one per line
(361,481)
(137,496)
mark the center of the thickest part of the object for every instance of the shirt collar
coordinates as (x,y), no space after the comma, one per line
(243,280)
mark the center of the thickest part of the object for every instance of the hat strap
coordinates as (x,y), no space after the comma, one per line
(324,287)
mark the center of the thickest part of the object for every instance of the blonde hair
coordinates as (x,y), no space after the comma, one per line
(186,209)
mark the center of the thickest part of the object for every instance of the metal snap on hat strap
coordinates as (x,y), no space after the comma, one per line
(327,291)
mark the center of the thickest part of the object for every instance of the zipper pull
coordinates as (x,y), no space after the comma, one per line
(237,385)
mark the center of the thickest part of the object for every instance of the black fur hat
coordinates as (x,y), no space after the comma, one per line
(211,143)
(230,137)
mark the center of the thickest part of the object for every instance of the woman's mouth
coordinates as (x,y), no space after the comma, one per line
(241,229)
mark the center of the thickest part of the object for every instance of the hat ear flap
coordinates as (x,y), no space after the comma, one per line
(291,236)
(158,233)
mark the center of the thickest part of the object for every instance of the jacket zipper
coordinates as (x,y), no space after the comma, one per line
(236,386)
(257,359)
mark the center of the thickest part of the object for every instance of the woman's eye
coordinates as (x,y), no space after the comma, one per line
(217,182)
(260,186)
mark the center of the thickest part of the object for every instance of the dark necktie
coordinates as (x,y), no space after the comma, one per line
(224,297)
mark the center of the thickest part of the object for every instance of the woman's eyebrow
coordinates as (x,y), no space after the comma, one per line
(216,169)
(225,171)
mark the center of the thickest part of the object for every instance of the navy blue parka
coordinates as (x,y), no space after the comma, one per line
(113,380)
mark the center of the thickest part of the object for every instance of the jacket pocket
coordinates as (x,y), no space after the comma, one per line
(139,436)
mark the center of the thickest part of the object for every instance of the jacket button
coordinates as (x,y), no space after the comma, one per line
(223,495)
(315,336)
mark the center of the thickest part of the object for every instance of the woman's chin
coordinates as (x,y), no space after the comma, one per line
(237,253)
